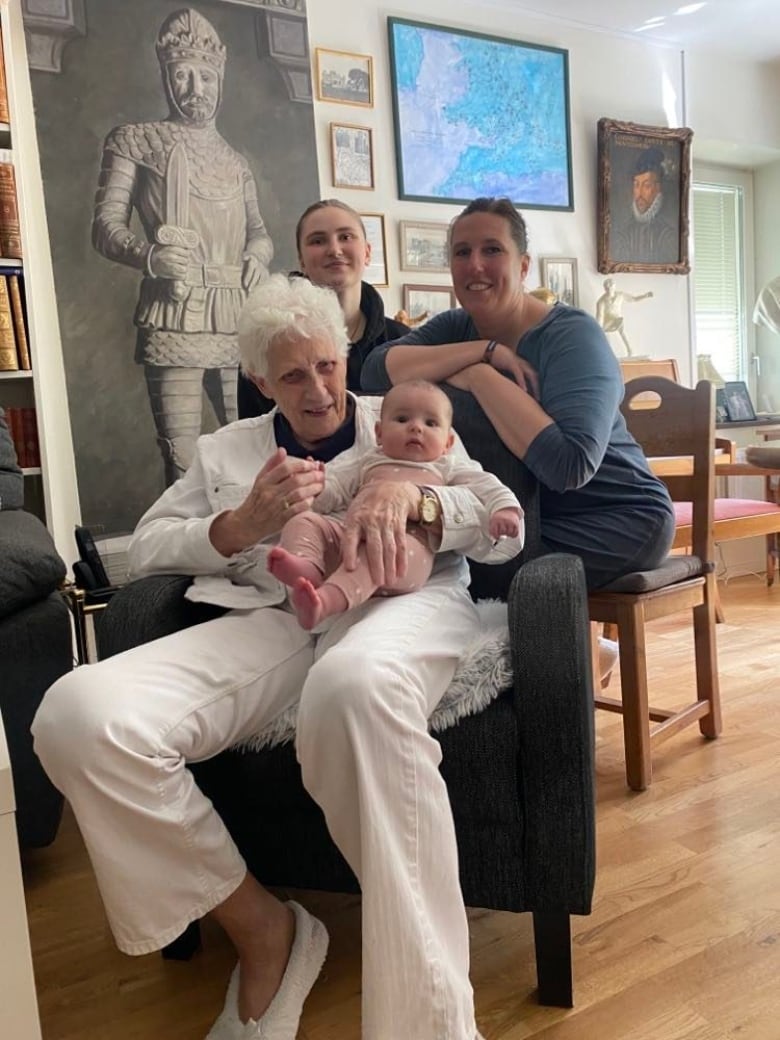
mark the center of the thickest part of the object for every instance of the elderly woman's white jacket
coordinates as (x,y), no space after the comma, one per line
(172,537)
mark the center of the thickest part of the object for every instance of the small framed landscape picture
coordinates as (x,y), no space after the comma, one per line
(347,79)
(351,156)
(376,271)
(423,301)
(425,246)
(559,275)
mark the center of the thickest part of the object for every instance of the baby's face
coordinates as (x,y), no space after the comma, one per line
(415,425)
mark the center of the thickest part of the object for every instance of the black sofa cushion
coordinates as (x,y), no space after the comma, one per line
(30,567)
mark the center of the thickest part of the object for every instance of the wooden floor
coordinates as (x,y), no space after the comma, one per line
(683,942)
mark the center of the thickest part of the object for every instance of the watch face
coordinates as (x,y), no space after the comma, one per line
(428,509)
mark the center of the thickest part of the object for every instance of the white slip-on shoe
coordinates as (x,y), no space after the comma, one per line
(310,945)
(228,1026)
(280,1021)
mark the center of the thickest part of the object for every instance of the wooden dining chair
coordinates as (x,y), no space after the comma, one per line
(681,426)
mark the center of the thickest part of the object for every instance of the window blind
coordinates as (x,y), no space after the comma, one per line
(718,277)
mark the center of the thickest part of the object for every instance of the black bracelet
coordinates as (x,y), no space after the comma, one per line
(492,344)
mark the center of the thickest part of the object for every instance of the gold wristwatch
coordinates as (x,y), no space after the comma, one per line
(429,507)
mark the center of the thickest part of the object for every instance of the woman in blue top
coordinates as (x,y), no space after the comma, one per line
(558,411)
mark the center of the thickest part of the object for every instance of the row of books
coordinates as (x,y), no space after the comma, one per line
(23,426)
(10,233)
(14,339)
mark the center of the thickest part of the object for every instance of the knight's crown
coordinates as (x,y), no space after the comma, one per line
(187,36)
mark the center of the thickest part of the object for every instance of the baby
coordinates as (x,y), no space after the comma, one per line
(414,437)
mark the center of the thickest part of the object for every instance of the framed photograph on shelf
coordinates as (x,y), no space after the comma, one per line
(376,271)
(454,141)
(721,411)
(351,156)
(559,275)
(347,79)
(739,407)
(644,177)
(428,300)
(424,246)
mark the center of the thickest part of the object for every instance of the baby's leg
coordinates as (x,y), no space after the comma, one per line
(313,604)
(345,589)
(288,568)
(307,544)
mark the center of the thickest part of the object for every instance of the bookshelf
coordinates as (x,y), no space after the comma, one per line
(50,487)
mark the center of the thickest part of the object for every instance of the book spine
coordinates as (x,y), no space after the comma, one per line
(5,115)
(20,325)
(13,417)
(9,359)
(32,451)
(10,233)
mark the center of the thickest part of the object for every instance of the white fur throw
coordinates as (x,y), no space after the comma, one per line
(484,671)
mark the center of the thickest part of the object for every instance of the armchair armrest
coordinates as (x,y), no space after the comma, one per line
(30,566)
(148,609)
(549,633)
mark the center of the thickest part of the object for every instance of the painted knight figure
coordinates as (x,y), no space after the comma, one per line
(205,243)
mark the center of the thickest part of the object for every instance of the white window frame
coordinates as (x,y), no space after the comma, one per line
(742,179)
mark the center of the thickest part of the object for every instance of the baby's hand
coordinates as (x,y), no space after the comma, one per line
(505,523)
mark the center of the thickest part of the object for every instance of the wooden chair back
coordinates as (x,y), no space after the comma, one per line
(675,422)
(637,368)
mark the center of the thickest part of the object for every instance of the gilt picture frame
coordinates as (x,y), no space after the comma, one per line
(644,175)
(344,78)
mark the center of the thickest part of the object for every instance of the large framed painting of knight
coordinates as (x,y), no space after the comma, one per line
(177,150)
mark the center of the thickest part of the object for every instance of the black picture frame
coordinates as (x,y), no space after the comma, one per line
(454,140)
(739,407)
(721,411)
(628,155)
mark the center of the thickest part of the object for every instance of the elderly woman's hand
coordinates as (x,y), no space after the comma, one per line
(284,487)
(377,517)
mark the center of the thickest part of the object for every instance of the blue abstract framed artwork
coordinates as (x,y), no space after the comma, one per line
(479,115)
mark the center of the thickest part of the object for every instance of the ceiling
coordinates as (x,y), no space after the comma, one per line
(743,29)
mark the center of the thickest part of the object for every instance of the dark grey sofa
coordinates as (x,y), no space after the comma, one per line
(519,774)
(35,645)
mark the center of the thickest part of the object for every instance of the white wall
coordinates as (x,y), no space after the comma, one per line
(609,76)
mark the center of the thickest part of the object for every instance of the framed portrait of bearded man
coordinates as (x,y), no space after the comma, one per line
(643,188)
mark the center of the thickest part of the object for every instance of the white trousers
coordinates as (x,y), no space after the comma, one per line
(115,737)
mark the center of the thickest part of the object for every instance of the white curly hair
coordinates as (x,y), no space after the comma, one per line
(285,307)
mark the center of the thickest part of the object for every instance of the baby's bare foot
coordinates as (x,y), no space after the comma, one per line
(307,603)
(288,568)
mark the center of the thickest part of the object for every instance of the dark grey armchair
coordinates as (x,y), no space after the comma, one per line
(519,774)
(35,645)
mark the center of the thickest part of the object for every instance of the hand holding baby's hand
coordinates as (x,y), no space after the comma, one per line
(505,523)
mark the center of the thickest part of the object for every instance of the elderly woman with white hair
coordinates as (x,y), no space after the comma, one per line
(116,736)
